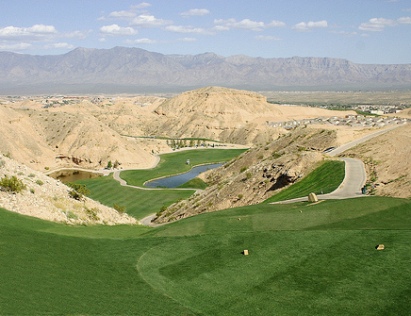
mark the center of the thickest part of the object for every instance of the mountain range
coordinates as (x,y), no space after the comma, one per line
(122,69)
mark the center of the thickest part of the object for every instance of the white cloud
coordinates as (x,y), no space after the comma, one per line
(275,23)
(115,29)
(376,24)
(307,26)
(60,45)
(141,5)
(141,41)
(186,29)
(267,38)
(345,33)
(195,12)
(15,47)
(246,24)
(122,14)
(234,24)
(145,20)
(38,31)
(77,34)
(187,39)
(404,20)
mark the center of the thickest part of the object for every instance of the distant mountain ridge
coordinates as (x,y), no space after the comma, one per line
(134,68)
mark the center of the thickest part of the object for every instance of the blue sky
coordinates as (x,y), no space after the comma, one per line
(363,31)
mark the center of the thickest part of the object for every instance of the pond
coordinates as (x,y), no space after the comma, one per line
(71,175)
(175,181)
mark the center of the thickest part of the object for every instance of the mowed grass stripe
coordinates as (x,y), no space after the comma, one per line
(324,179)
(319,271)
(195,266)
(138,203)
(50,274)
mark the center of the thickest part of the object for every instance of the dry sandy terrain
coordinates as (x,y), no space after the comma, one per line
(42,134)
(388,161)
(48,199)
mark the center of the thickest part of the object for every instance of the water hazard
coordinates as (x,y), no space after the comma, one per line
(175,181)
(71,175)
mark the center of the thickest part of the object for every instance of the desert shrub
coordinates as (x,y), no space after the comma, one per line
(75,195)
(276,155)
(32,175)
(79,188)
(243,169)
(162,210)
(119,208)
(2,163)
(39,182)
(92,213)
(71,215)
(12,184)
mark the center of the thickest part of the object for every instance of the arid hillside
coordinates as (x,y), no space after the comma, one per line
(87,132)
(228,115)
(388,162)
(82,134)
(257,174)
(50,133)
(264,170)
(49,199)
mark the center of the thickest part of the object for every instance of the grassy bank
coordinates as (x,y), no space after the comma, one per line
(324,179)
(304,259)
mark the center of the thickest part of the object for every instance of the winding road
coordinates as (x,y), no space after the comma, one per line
(354,179)
(355,174)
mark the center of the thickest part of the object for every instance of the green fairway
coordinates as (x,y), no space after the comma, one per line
(175,163)
(325,179)
(304,259)
(138,203)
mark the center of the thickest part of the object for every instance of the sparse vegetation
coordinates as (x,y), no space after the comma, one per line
(12,184)
(78,191)
(119,208)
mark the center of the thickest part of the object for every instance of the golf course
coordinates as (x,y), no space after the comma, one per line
(303,258)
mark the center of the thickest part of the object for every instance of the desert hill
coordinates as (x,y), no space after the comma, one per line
(53,133)
(83,135)
(227,115)
(49,199)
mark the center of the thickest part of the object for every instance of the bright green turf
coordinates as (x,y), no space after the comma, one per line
(195,183)
(305,259)
(324,179)
(138,203)
(175,163)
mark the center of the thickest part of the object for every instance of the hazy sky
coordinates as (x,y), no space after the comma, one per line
(363,31)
